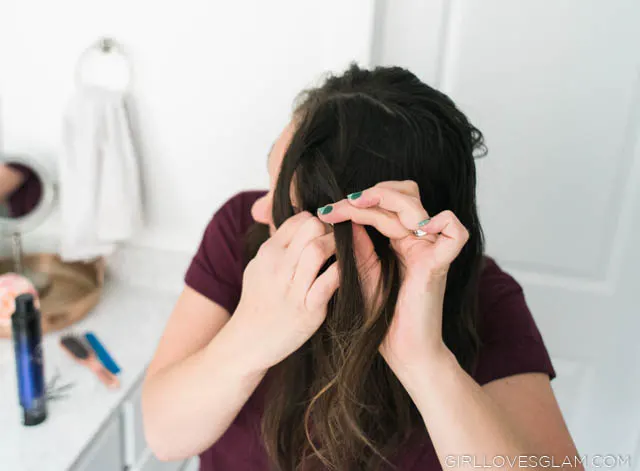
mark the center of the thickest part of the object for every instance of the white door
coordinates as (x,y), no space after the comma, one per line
(555,87)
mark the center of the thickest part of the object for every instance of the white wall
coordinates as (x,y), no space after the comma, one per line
(213,85)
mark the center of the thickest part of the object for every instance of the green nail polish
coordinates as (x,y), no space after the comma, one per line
(325,210)
(354,196)
(423,222)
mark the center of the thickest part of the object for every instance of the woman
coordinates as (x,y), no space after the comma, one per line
(361,332)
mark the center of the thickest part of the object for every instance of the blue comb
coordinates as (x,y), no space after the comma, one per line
(102,353)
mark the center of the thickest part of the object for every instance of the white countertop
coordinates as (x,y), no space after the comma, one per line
(129,321)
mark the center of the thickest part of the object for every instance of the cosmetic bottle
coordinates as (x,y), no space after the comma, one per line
(27,342)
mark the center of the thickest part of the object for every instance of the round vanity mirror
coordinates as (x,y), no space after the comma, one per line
(26,194)
(26,199)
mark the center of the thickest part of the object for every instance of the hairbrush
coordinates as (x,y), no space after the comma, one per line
(75,347)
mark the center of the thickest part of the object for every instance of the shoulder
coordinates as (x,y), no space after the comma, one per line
(510,341)
(495,278)
(228,225)
(501,304)
(216,268)
(235,213)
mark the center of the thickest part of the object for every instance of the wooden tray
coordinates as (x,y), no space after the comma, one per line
(73,289)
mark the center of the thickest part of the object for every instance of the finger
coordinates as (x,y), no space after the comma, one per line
(310,229)
(407,207)
(408,187)
(323,288)
(283,235)
(452,236)
(313,257)
(385,221)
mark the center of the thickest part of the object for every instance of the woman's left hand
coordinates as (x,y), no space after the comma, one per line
(414,338)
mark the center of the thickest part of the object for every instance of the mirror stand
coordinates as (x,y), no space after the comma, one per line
(16,246)
(40,281)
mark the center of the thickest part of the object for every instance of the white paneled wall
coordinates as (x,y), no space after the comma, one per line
(555,88)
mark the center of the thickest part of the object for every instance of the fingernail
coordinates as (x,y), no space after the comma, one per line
(325,210)
(423,222)
(354,196)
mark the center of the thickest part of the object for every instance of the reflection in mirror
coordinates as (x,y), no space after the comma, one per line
(26,199)
(20,190)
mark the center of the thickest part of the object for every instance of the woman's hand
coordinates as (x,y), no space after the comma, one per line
(394,208)
(283,300)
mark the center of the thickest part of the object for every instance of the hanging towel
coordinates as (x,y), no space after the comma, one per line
(100,195)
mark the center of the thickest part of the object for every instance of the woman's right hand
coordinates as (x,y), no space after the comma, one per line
(283,300)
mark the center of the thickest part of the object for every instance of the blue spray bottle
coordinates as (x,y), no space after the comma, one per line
(27,341)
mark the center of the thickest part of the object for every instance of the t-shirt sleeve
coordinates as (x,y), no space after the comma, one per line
(216,268)
(510,340)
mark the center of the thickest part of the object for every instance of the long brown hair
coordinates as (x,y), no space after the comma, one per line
(334,403)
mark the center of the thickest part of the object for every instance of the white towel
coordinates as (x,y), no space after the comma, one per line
(100,196)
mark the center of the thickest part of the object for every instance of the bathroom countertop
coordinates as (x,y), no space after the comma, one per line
(129,320)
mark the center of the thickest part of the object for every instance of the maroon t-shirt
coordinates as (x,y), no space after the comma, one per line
(511,342)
